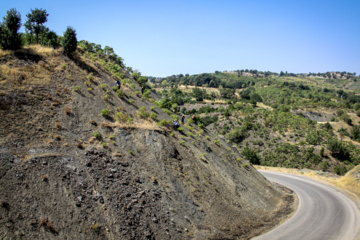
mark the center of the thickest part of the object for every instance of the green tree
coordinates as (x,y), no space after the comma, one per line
(338,149)
(35,22)
(227,113)
(313,137)
(340,169)
(70,41)
(346,118)
(238,134)
(51,39)
(227,93)
(164,103)
(328,126)
(245,94)
(198,93)
(9,36)
(322,152)
(108,50)
(339,112)
(254,98)
(142,80)
(97,47)
(355,132)
(174,107)
(136,75)
(251,155)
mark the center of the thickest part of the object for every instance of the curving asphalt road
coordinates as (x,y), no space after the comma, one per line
(323,212)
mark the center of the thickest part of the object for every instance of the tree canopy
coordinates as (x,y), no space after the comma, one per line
(35,22)
(9,37)
(70,41)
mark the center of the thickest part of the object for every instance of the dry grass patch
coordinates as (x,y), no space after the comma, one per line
(215,101)
(35,49)
(34,74)
(350,183)
(7,70)
(5,52)
(92,140)
(354,118)
(117,154)
(262,105)
(31,73)
(44,155)
(206,88)
(136,124)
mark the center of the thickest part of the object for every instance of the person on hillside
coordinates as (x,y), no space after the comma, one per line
(143,89)
(176,124)
(183,119)
(118,84)
(195,119)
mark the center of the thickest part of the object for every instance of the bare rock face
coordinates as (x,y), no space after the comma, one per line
(134,181)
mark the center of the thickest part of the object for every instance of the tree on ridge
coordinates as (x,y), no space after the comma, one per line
(70,41)
(10,39)
(35,22)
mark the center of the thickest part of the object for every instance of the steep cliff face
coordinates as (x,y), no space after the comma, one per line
(68,171)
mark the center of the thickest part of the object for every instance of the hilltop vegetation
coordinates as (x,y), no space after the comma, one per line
(286,120)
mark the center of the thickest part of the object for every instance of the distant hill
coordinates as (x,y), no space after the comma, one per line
(286,120)
(243,78)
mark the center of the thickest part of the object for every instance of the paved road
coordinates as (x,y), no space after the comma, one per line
(323,213)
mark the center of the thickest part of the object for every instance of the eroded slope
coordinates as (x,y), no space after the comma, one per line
(135,181)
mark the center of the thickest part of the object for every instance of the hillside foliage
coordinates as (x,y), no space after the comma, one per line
(287,120)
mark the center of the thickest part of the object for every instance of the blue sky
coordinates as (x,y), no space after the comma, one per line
(161,38)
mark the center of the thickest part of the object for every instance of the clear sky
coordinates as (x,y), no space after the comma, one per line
(161,38)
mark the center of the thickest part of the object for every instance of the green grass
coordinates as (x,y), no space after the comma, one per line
(120,93)
(97,135)
(121,117)
(106,97)
(105,112)
(143,113)
(153,115)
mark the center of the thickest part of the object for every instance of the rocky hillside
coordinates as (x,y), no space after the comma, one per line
(82,160)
